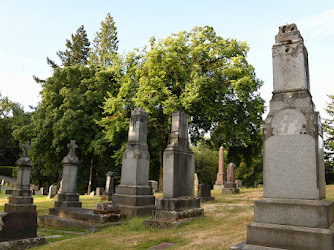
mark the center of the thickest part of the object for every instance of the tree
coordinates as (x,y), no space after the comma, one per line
(105,44)
(329,142)
(71,103)
(199,73)
(77,51)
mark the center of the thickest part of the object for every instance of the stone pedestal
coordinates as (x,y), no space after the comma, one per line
(69,196)
(293,213)
(107,194)
(21,196)
(204,192)
(219,184)
(230,187)
(134,196)
(178,202)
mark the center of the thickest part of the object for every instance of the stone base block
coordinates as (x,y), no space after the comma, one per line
(68,200)
(177,215)
(19,207)
(245,246)
(175,204)
(22,192)
(23,243)
(218,187)
(134,200)
(133,190)
(230,190)
(290,237)
(303,213)
(132,211)
(230,185)
(21,200)
(206,199)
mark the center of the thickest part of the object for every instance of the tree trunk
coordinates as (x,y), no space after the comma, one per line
(90,177)
(161,168)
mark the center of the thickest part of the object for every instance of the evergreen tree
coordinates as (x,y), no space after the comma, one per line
(105,44)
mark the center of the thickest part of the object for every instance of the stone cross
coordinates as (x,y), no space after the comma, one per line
(26,148)
(72,147)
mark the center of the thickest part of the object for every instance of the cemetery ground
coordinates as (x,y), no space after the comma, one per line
(223,225)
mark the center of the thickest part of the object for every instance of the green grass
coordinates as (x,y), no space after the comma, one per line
(224,225)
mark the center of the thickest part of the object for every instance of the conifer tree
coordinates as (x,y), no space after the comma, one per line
(105,44)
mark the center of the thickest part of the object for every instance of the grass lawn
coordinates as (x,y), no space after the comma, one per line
(224,225)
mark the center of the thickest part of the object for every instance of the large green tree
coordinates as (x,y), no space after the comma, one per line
(105,44)
(197,72)
(71,103)
(329,142)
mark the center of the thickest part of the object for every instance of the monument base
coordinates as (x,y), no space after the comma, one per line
(230,190)
(172,212)
(291,224)
(218,187)
(68,200)
(106,197)
(20,200)
(134,200)
(206,199)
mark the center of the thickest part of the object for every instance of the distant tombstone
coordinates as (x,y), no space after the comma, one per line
(239,183)
(69,196)
(92,193)
(52,191)
(153,185)
(44,191)
(195,181)
(219,184)
(204,192)
(230,186)
(99,191)
(2,182)
(107,194)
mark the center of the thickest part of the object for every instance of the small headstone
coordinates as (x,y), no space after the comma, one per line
(204,192)
(107,194)
(153,185)
(239,183)
(99,191)
(52,191)
(230,186)
(92,193)
(44,191)
(195,181)
(2,182)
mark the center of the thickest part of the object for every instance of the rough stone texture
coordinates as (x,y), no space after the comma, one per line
(293,213)
(134,196)
(23,243)
(220,174)
(69,196)
(18,225)
(21,196)
(204,193)
(154,185)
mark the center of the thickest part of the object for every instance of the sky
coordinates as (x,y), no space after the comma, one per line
(36,29)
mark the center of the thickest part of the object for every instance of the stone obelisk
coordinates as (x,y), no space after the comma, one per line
(134,196)
(219,184)
(230,186)
(293,213)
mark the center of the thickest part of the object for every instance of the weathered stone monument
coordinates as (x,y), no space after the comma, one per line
(21,196)
(196,182)
(107,194)
(230,187)
(293,213)
(52,191)
(69,196)
(18,224)
(178,202)
(204,193)
(134,196)
(220,175)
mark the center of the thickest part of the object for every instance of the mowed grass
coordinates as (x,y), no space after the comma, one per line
(224,225)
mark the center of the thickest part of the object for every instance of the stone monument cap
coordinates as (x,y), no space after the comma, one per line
(288,33)
(110,173)
(138,111)
(24,160)
(71,158)
(179,125)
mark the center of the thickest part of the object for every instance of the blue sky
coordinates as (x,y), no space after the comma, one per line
(32,30)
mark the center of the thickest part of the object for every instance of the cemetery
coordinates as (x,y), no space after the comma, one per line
(151,187)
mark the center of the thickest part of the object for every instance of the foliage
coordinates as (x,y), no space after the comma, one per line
(105,44)
(71,103)
(206,163)
(77,51)
(199,73)
(329,142)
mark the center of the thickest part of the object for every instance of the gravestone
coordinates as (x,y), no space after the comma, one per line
(230,187)
(21,196)
(52,191)
(92,193)
(195,182)
(44,190)
(154,185)
(107,194)
(69,196)
(178,200)
(239,183)
(134,196)
(293,213)
(219,184)
(204,192)
(99,191)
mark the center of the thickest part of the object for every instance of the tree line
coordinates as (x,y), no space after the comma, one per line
(93,89)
